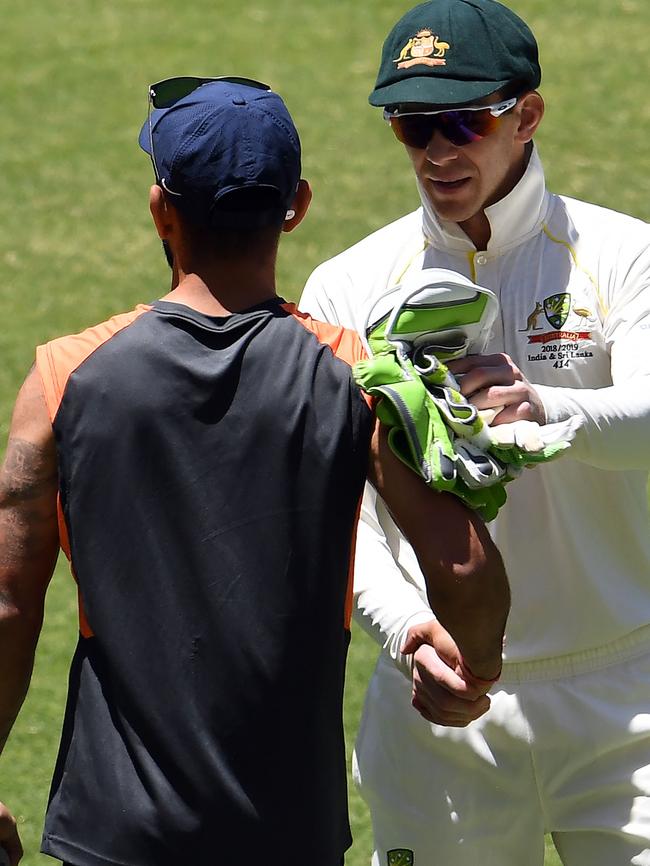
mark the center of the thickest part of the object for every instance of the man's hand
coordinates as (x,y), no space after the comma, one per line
(443,692)
(495,382)
(9,838)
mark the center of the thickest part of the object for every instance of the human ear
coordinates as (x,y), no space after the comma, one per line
(531,111)
(159,211)
(299,206)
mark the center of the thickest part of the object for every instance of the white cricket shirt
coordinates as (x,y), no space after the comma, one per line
(573,281)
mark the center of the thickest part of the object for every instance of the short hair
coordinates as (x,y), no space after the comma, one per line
(169,256)
(249,234)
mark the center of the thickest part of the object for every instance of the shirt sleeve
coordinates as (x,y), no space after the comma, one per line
(317,301)
(615,433)
(386,603)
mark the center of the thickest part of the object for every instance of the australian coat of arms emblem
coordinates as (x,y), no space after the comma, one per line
(425,48)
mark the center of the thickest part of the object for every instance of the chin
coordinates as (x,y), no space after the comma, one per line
(452,209)
(452,213)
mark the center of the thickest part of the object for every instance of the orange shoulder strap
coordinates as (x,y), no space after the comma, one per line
(57,360)
(344,343)
(55,363)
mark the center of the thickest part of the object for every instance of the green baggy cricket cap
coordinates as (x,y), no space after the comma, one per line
(454,52)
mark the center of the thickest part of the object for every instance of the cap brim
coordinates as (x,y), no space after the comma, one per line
(433,91)
(143,138)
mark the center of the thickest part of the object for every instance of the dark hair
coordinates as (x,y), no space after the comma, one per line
(512,89)
(260,216)
(249,207)
(244,221)
(168,253)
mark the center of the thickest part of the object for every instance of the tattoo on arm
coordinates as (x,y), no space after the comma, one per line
(28,487)
(27,474)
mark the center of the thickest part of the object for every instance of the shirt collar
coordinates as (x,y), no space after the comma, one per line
(512,219)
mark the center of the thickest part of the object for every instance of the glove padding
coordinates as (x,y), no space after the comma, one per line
(416,432)
(419,437)
(517,444)
(432,427)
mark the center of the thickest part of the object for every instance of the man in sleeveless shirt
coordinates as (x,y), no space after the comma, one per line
(201,461)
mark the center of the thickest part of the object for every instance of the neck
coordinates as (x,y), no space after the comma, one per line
(219,288)
(477,227)
(478,230)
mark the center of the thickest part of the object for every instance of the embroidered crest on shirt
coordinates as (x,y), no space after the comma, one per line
(583,312)
(556,309)
(531,321)
(557,346)
(400,857)
(424,48)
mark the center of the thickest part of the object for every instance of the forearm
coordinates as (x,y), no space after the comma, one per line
(18,638)
(387,600)
(616,417)
(615,433)
(29,544)
(28,551)
(468,590)
(465,579)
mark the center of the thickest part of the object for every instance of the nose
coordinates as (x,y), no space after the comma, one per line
(440,150)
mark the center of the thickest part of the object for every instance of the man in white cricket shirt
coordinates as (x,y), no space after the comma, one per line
(565,746)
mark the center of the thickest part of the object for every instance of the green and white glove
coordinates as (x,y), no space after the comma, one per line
(450,312)
(436,316)
(418,436)
(416,432)
(527,443)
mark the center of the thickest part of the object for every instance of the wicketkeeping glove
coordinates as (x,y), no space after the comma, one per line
(436,316)
(417,434)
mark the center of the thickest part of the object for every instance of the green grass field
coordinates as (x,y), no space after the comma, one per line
(77,244)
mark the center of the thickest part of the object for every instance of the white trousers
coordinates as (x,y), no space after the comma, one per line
(564,749)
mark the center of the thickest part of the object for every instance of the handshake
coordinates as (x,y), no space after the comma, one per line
(410,335)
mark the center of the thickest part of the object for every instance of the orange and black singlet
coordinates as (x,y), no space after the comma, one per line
(210,472)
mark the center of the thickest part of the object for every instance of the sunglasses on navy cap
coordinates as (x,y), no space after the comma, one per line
(460,126)
(165,93)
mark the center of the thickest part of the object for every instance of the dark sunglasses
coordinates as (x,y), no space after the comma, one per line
(460,126)
(165,93)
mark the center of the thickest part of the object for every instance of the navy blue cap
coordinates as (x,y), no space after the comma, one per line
(221,138)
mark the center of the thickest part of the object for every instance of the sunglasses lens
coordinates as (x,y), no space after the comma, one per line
(459,127)
(166,93)
(463,127)
(414,130)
